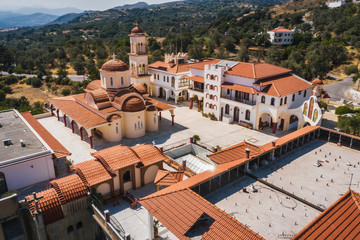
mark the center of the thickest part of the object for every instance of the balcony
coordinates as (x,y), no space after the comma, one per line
(240,100)
(197,89)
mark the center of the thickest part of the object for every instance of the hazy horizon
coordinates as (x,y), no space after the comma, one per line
(80,4)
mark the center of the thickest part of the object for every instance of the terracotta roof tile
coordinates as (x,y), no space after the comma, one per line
(168,178)
(196,79)
(281,29)
(69,188)
(49,205)
(201,65)
(235,152)
(238,87)
(161,106)
(148,154)
(92,172)
(116,157)
(179,211)
(76,111)
(340,221)
(93,85)
(59,150)
(284,85)
(172,68)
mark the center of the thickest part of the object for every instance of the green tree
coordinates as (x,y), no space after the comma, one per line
(156,56)
(243,54)
(274,55)
(153,45)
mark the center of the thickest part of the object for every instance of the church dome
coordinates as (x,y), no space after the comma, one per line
(133,104)
(114,65)
(136,30)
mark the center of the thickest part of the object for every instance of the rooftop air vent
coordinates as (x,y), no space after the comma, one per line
(7,142)
(22,143)
(0,125)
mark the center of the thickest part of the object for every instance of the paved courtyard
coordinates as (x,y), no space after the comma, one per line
(187,124)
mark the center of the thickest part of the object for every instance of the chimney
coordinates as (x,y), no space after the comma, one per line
(273,143)
(184,164)
(247,152)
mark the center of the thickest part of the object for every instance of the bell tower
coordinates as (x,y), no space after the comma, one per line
(138,57)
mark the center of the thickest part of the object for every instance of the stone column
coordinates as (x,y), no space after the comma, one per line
(81,133)
(52,110)
(72,126)
(57,114)
(172,120)
(151,226)
(91,141)
(64,120)
(274,127)
(191,103)
(159,115)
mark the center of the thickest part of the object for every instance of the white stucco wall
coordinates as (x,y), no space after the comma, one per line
(150,174)
(30,172)
(105,77)
(104,189)
(112,132)
(152,123)
(137,177)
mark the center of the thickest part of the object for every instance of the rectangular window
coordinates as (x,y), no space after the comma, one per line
(299,92)
(293,97)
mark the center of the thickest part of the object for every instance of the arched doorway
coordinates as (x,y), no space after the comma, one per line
(3,185)
(161,90)
(236,114)
(265,120)
(84,134)
(293,122)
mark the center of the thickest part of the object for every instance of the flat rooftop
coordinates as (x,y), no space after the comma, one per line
(270,213)
(276,215)
(13,128)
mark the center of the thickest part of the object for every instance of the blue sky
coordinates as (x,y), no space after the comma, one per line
(81,4)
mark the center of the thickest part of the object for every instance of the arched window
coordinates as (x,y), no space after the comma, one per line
(212,77)
(135,127)
(173,82)
(215,88)
(207,95)
(111,81)
(215,98)
(247,115)
(227,109)
(215,107)
(70,229)
(207,105)
(285,100)
(211,97)
(127,177)
(138,125)
(293,97)
(79,225)
(154,120)
(142,125)
(281,101)
(167,79)
(299,92)
(228,91)
(273,101)
(143,69)
(122,81)
(211,87)
(304,93)
(263,99)
(211,106)
(208,76)
(117,130)
(216,78)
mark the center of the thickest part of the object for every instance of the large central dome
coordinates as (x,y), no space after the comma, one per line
(114,65)
(133,104)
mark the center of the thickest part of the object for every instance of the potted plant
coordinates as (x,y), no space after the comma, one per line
(261,125)
(156,228)
(196,138)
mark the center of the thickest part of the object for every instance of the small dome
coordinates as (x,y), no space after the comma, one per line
(114,65)
(136,30)
(99,96)
(317,81)
(133,104)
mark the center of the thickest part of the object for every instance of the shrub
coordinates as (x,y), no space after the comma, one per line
(343,110)
(196,137)
(2,95)
(351,69)
(323,105)
(34,82)
(356,77)
(66,92)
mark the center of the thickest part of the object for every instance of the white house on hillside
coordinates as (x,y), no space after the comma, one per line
(335,3)
(281,36)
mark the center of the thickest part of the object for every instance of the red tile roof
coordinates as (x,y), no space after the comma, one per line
(116,157)
(92,172)
(235,152)
(179,211)
(201,65)
(196,79)
(93,85)
(168,178)
(161,106)
(238,87)
(284,85)
(340,221)
(76,111)
(69,188)
(148,154)
(281,29)
(49,205)
(256,70)
(59,150)
(171,67)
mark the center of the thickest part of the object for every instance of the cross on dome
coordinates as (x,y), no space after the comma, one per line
(113,56)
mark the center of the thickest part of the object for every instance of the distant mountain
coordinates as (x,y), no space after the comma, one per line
(69,17)
(17,20)
(55,11)
(132,6)
(4,15)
